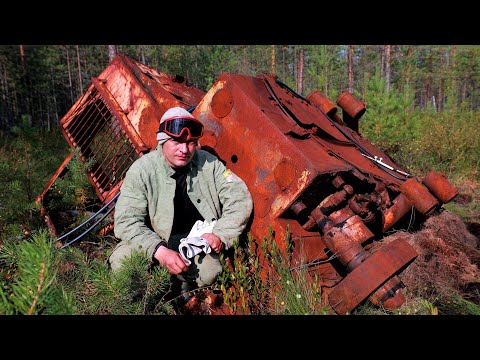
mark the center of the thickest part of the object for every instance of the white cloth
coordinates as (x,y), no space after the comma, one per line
(194,244)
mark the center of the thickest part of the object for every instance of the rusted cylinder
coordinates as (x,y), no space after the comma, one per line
(419,195)
(395,301)
(401,206)
(440,187)
(298,207)
(389,294)
(355,228)
(341,215)
(345,241)
(338,182)
(333,201)
(353,107)
(346,249)
(324,103)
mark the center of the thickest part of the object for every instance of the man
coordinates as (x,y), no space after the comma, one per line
(166,191)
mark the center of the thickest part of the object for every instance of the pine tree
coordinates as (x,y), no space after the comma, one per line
(32,289)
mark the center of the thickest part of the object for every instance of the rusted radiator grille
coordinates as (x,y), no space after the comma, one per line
(102,142)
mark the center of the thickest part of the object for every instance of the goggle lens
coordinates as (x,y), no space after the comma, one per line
(176,126)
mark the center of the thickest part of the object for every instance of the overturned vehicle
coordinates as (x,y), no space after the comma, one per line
(308,169)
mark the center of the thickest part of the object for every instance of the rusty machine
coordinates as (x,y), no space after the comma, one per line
(309,170)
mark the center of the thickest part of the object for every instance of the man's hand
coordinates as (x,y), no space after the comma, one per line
(214,241)
(170,259)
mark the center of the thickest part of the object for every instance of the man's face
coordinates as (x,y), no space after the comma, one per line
(179,151)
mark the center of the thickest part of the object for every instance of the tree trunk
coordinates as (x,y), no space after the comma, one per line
(326,64)
(69,75)
(26,85)
(86,68)
(300,71)
(142,54)
(440,84)
(382,63)
(409,64)
(4,113)
(453,91)
(22,59)
(295,65)
(112,52)
(79,72)
(54,97)
(387,66)
(350,69)
(273,61)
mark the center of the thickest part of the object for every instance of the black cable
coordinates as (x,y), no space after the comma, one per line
(86,222)
(87,231)
(90,218)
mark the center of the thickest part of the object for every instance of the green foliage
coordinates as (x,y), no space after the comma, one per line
(270,285)
(28,157)
(448,142)
(324,70)
(457,305)
(468,212)
(74,189)
(133,290)
(388,122)
(243,289)
(451,305)
(294,291)
(32,289)
(413,306)
(38,281)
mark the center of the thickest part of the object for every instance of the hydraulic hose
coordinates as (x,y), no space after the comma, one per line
(86,222)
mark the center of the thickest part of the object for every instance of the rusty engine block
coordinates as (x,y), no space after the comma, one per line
(309,170)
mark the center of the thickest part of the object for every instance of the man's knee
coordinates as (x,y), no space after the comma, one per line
(119,254)
(209,267)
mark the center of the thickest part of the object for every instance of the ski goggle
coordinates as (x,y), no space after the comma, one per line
(175,126)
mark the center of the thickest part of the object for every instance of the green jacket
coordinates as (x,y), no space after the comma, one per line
(147,192)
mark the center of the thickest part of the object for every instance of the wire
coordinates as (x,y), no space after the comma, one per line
(90,218)
(87,231)
(87,221)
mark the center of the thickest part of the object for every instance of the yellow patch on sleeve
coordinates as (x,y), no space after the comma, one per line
(230,176)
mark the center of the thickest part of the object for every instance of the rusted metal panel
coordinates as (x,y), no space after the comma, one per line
(52,229)
(142,94)
(275,150)
(310,173)
(58,173)
(150,93)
